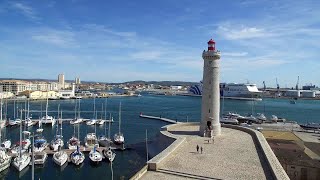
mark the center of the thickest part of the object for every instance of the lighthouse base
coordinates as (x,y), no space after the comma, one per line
(213,130)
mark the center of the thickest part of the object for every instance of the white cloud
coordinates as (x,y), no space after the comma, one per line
(147,55)
(54,37)
(25,10)
(235,54)
(241,32)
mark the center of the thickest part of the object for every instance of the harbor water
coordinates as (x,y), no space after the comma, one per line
(128,162)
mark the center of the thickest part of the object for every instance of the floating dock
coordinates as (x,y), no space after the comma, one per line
(159,118)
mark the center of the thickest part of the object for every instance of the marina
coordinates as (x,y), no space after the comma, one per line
(133,127)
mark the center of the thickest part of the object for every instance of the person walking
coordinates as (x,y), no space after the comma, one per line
(201,149)
(197,148)
(212,140)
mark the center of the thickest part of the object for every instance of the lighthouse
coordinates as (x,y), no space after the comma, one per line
(210,122)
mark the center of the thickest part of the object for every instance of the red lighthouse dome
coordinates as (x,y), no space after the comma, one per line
(211,45)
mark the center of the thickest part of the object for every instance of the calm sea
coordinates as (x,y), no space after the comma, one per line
(130,161)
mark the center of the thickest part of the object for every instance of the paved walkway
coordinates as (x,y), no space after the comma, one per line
(232,156)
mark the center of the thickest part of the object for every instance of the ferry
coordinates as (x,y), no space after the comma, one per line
(241,91)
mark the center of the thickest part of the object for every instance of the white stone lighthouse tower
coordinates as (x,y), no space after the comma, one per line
(210,122)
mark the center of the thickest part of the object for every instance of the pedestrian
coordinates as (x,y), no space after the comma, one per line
(212,140)
(197,148)
(201,149)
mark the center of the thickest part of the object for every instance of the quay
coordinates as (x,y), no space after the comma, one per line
(238,153)
(159,118)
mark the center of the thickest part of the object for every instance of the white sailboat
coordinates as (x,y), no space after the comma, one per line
(102,121)
(40,143)
(93,120)
(60,157)
(95,155)
(118,137)
(5,159)
(91,140)
(74,141)
(15,120)
(28,122)
(77,157)
(77,119)
(48,119)
(22,160)
(105,141)
(40,158)
(109,154)
(58,140)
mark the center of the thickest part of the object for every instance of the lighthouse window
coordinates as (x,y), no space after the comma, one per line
(209,110)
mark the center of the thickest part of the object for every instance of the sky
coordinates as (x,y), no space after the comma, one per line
(117,41)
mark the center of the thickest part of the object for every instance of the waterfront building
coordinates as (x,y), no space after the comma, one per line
(61,81)
(210,110)
(77,81)
(5,95)
(14,86)
(40,94)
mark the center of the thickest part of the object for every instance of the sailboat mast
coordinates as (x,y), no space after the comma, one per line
(75,110)
(101,111)
(61,125)
(28,114)
(109,130)
(79,109)
(14,109)
(119,117)
(0,119)
(57,128)
(25,109)
(47,107)
(94,106)
(20,131)
(105,108)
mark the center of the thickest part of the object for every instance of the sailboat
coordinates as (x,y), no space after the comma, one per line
(102,121)
(58,140)
(77,157)
(40,143)
(95,155)
(28,122)
(93,120)
(48,119)
(60,157)
(91,140)
(118,137)
(22,160)
(227,119)
(15,120)
(74,141)
(77,119)
(105,141)
(5,159)
(109,154)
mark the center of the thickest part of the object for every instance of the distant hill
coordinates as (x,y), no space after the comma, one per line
(162,83)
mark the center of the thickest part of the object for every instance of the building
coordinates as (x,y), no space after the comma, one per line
(210,111)
(14,86)
(5,95)
(77,81)
(40,94)
(67,94)
(61,81)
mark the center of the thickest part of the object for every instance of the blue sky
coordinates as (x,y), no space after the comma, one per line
(115,41)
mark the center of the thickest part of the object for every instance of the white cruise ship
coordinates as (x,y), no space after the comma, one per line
(231,90)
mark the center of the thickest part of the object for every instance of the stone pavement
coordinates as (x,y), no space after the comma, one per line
(232,156)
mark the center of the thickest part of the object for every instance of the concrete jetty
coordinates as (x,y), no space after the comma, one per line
(238,153)
(159,118)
